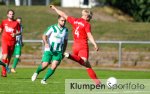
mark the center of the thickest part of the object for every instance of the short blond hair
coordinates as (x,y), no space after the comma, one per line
(87,13)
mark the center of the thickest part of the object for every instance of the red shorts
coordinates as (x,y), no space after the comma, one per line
(81,51)
(8,47)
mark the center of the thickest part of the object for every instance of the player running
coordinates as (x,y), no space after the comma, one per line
(55,40)
(10,28)
(81,34)
(18,47)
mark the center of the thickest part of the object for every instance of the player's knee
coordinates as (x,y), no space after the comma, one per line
(84,59)
(54,65)
(44,65)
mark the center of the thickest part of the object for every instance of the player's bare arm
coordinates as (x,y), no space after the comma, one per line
(44,37)
(90,37)
(65,45)
(0,30)
(59,12)
(15,34)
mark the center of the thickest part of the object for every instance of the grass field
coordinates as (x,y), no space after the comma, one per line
(20,82)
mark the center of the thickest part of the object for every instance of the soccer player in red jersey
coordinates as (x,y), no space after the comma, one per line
(9,29)
(81,34)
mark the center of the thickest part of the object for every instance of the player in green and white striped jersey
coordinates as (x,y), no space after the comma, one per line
(55,40)
(18,46)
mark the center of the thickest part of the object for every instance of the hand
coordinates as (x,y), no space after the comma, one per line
(96,48)
(52,6)
(47,48)
(46,45)
(13,34)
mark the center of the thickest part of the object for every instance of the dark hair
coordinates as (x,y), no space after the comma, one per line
(11,10)
(19,18)
(59,16)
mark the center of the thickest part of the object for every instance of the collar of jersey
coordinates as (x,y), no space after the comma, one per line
(59,28)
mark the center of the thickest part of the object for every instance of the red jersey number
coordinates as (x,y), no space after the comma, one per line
(77,32)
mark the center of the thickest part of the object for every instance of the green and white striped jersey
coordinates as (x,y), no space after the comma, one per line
(56,37)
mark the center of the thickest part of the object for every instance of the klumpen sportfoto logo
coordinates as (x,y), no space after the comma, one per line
(127,86)
(86,86)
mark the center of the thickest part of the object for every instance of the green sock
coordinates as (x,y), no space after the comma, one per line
(15,62)
(39,69)
(3,64)
(49,73)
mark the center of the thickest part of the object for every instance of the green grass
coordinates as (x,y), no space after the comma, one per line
(20,83)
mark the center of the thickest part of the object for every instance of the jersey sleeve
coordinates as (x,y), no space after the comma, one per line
(88,28)
(48,31)
(71,19)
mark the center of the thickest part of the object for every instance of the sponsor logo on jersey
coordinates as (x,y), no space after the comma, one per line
(9,29)
(79,23)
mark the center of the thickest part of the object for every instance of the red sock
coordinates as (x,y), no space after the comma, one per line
(77,59)
(93,76)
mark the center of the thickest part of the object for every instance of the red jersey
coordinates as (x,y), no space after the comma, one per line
(80,29)
(8,28)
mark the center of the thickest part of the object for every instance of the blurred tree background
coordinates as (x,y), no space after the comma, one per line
(139,9)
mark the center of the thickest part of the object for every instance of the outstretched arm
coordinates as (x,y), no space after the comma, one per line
(59,12)
(90,37)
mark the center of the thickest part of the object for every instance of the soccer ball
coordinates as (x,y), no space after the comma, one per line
(111,82)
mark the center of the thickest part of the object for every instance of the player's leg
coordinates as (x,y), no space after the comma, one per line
(10,52)
(75,56)
(50,71)
(92,73)
(81,56)
(4,57)
(47,57)
(56,59)
(3,64)
(84,54)
(45,62)
(40,68)
(15,62)
(16,54)
(6,66)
